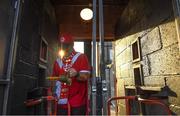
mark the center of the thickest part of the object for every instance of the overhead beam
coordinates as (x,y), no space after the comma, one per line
(87,2)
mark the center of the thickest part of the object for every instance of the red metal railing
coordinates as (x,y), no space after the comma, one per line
(140,100)
(33,102)
(127,98)
(156,101)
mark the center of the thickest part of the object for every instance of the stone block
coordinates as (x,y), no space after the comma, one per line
(151,42)
(173,84)
(118,73)
(129,81)
(120,87)
(168,33)
(121,109)
(145,66)
(122,58)
(166,61)
(116,48)
(125,70)
(128,55)
(117,61)
(130,39)
(154,81)
(120,45)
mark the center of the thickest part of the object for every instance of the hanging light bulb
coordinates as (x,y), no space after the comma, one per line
(86,14)
(61,53)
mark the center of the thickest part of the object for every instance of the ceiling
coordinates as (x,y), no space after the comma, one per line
(68,17)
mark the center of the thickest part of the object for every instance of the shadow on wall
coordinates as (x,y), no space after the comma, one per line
(142,15)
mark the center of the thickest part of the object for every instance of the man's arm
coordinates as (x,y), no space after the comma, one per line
(81,76)
(65,79)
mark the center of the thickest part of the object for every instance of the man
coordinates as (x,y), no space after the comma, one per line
(74,70)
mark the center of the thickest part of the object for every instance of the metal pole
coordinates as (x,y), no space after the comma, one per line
(109,80)
(94,60)
(101,37)
(102,63)
(11,56)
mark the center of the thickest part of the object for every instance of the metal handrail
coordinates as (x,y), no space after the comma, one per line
(33,102)
(155,101)
(127,98)
(140,100)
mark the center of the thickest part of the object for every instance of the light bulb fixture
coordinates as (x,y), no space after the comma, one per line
(61,53)
(86,14)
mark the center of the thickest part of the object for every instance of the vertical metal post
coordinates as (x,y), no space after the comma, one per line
(11,56)
(94,59)
(101,38)
(109,82)
(102,63)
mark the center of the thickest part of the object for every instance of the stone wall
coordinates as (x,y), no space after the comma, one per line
(160,56)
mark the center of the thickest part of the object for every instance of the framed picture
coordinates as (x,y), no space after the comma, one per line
(43,50)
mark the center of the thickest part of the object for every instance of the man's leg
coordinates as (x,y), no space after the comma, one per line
(62,111)
(78,110)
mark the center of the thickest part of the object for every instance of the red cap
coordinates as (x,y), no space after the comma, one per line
(66,38)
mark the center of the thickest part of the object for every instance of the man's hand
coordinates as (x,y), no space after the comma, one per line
(83,76)
(65,79)
(72,72)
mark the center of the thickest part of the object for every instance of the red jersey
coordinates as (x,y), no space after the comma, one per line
(77,94)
